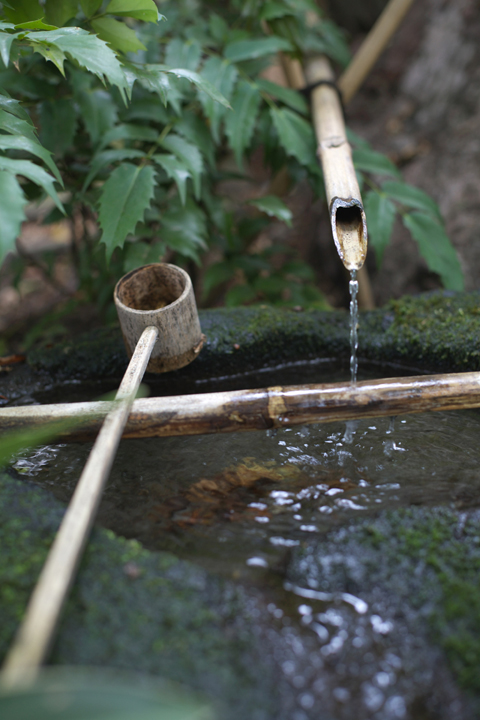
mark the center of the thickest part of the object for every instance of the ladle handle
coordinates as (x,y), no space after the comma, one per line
(37,630)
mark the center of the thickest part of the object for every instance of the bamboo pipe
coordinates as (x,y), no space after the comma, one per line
(347,216)
(273,407)
(372,47)
(37,630)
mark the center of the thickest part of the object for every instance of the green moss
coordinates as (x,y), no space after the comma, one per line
(133,609)
(437,330)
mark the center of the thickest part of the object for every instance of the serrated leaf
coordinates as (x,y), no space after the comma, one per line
(184,229)
(239,294)
(13,106)
(272,206)
(255,48)
(176,170)
(98,110)
(117,34)
(239,124)
(89,51)
(194,128)
(380,213)
(436,248)
(129,131)
(58,120)
(16,125)
(222,75)
(197,80)
(24,11)
(125,196)
(190,156)
(6,26)
(24,144)
(107,157)
(33,172)
(151,77)
(374,162)
(145,10)
(6,40)
(295,135)
(150,108)
(51,53)
(90,7)
(412,197)
(35,25)
(181,54)
(58,12)
(11,212)
(289,97)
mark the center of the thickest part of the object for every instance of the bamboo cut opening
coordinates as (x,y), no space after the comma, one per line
(349,227)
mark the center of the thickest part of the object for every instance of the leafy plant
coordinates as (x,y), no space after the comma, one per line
(133,115)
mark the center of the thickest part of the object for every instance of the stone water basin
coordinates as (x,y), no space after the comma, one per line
(321,571)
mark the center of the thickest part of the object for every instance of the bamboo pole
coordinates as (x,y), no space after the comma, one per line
(372,47)
(347,216)
(273,407)
(36,632)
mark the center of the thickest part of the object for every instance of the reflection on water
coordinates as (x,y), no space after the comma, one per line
(240,503)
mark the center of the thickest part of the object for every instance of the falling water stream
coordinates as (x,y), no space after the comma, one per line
(353,285)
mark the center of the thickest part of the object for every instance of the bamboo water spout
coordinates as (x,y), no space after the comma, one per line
(347,216)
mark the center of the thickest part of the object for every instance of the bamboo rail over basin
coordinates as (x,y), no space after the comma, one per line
(273,407)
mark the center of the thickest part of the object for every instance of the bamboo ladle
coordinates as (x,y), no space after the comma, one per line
(159,321)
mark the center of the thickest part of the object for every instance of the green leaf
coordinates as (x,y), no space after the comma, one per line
(35,25)
(141,253)
(11,212)
(295,135)
(51,53)
(374,162)
(194,128)
(58,120)
(272,206)
(181,54)
(256,48)
(89,51)
(125,197)
(152,77)
(24,144)
(176,170)
(129,131)
(239,294)
(16,125)
(222,75)
(184,229)
(33,172)
(90,7)
(58,12)
(380,213)
(272,10)
(190,156)
(216,274)
(6,40)
(435,248)
(289,97)
(107,157)
(412,197)
(24,11)
(145,10)
(117,34)
(197,80)
(240,123)
(13,106)
(99,112)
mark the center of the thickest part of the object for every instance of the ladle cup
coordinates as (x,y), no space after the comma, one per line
(159,319)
